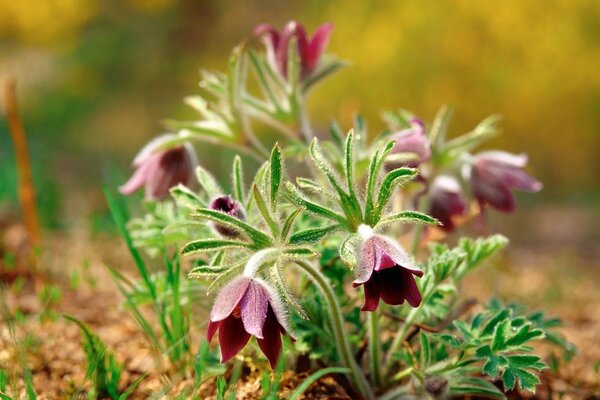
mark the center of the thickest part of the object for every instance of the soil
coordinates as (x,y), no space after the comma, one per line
(560,279)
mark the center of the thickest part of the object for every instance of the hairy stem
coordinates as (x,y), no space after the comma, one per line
(374,347)
(337,322)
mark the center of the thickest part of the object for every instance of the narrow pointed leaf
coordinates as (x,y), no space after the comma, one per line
(259,238)
(312,235)
(205,245)
(238,179)
(276,174)
(412,217)
(262,206)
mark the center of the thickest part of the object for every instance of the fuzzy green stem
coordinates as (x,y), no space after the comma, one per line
(337,322)
(374,348)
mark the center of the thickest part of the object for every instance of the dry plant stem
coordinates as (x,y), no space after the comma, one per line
(26,186)
(337,322)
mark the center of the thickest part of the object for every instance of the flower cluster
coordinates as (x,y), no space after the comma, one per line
(353,198)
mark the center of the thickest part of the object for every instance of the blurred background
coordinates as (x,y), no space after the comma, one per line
(96,78)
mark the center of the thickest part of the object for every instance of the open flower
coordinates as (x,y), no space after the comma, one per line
(446,201)
(160,169)
(493,174)
(248,307)
(309,50)
(414,142)
(231,207)
(386,271)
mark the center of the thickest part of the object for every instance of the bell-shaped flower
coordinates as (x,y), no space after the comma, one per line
(158,169)
(248,307)
(228,206)
(446,201)
(413,142)
(310,50)
(386,271)
(493,174)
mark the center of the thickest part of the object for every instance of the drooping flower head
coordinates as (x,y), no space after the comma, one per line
(248,307)
(412,141)
(231,207)
(159,169)
(493,174)
(447,201)
(386,271)
(309,50)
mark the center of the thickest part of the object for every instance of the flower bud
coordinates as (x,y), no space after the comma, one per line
(309,50)
(414,142)
(159,169)
(436,386)
(493,174)
(446,201)
(228,206)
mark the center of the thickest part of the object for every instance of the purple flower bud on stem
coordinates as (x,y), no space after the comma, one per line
(386,271)
(493,174)
(248,307)
(309,50)
(231,207)
(412,140)
(158,169)
(446,201)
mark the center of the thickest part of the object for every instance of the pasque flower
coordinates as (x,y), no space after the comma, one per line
(160,169)
(493,174)
(248,307)
(309,50)
(386,271)
(231,207)
(413,141)
(447,201)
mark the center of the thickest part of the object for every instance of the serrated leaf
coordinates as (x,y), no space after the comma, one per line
(499,341)
(205,245)
(312,235)
(490,326)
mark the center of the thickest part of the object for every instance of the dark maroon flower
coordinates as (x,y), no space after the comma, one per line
(412,142)
(309,50)
(231,207)
(446,201)
(386,271)
(160,169)
(493,174)
(248,307)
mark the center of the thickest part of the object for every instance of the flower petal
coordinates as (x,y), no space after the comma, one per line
(232,337)
(212,329)
(411,291)
(367,263)
(317,45)
(392,286)
(152,147)
(138,179)
(254,307)
(271,343)
(396,253)
(372,294)
(228,298)
(503,157)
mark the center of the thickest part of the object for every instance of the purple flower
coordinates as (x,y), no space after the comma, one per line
(160,169)
(231,207)
(446,201)
(386,271)
(412,140)
(493,174)
(309,50)
(248,307)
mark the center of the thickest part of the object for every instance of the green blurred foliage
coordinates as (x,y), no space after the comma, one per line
(97,77)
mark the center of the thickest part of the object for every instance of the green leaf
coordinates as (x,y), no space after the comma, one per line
(499,341)
(490,326)
(374,169)
(261,75)
(276,174)
(348,250)
(323,70)
(485,130)
(185,197)
(208,182)
(297,198)
(414,217)
(289,222)
(439,128)
(349,163)
(295,253)
(259,238)
(396,177)
(204,271)
(205,245)
(312,235)
(472,386)
(262,206)
(238,179)
(425,355)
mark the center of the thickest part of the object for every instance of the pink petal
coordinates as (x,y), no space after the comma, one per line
(271,343)
(212,329)
(254,307)
(137,180)
(369,259)
(228,298)
(232,337)
(152,147)
(396,253)
(317,46)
